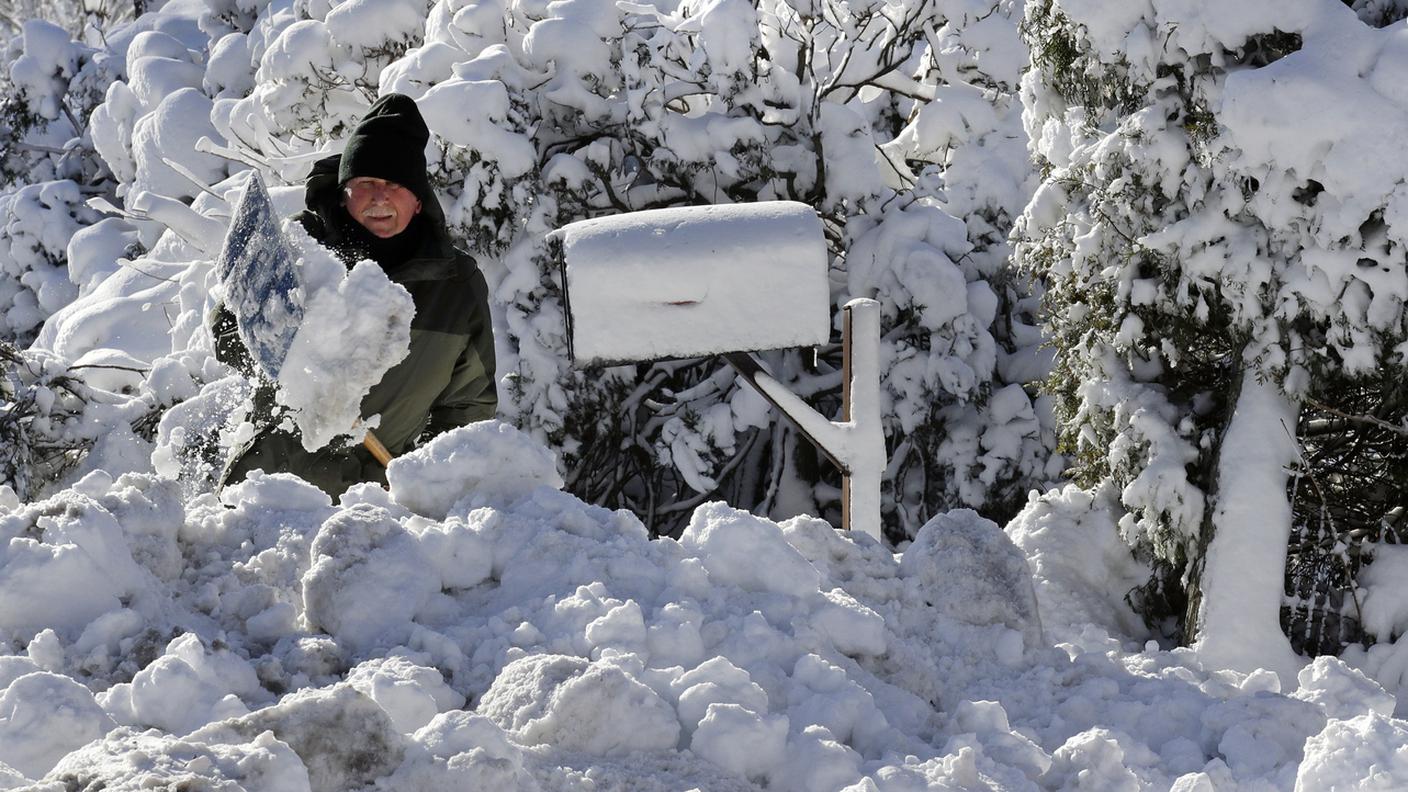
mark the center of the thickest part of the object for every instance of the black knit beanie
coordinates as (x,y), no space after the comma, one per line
(389,143)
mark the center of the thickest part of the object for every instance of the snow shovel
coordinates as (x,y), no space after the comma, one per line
(257,267)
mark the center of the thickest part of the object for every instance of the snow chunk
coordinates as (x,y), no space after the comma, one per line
(1259,731)
(489,459)
(568,702)
(458,551)
(65,563)
(43,716)
(988,721)
(13,667)
(477,752)
(815,760)
(742,741)
(1341,691)
(750,552)
(127,760)
(673,636)
(368,579)
(354,328)
(457,732)
(716,681)
(411,694)
(323,382)
(1369,752)
(1094,759)
(822,694)
(622,627)
(186,688)
(344,739)
(969,570)
(853,628)
(1081,566)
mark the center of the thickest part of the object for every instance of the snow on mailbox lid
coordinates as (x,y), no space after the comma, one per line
(695,281)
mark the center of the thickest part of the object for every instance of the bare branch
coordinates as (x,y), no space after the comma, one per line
(1365,420)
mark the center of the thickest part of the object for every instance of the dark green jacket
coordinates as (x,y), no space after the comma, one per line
(445,381)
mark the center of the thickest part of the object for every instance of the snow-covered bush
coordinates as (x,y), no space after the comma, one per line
(892,119)
(847,107)
(31,397)
(1213,263)
(48,168)
(51,417)
(293,78)
(50,83)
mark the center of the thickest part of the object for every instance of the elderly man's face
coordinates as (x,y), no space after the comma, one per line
(383,207)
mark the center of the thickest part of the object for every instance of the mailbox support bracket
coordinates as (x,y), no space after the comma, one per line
(856,443)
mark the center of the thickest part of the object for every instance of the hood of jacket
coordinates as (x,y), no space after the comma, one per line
(323,198)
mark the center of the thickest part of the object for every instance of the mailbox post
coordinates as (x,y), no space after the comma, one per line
(731,280)
(856,443)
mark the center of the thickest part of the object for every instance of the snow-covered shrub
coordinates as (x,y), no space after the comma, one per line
(39,402)
(60,420)
(50,84)
(314,65)
(48,168)
(1211,265)
(892,120)
(846,107)
(1379,13)
(36,223)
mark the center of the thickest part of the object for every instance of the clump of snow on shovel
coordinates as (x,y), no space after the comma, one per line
(356,326)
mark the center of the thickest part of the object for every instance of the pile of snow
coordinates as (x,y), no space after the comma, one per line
(508,636)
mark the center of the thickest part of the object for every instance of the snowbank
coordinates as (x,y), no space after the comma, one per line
(510,636)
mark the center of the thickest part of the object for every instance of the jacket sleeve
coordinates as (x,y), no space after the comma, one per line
(472,393)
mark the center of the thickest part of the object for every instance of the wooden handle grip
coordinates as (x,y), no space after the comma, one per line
(378,450)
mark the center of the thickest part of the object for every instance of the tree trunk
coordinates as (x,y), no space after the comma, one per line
(1238,624)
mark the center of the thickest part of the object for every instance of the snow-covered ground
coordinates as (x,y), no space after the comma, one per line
(477,628)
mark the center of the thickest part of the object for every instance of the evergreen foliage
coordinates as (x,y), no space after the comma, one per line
(1178,249)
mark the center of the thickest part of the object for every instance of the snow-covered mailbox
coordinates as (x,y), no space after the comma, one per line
(730,280)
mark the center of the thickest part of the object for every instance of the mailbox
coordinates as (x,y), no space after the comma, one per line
(730,280)
(695,281)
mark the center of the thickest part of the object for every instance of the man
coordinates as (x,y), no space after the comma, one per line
(374,201)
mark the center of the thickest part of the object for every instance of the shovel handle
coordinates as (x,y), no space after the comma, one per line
(378,450)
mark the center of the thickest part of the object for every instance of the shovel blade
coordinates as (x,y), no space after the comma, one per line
(262,287)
